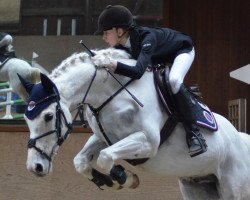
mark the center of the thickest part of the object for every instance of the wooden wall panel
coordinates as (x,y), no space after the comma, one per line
(221,32)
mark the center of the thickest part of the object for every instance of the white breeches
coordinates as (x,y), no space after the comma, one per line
(179,69)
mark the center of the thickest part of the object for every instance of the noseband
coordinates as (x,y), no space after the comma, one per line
(60,138)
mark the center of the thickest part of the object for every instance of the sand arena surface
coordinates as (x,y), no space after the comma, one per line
(65,183)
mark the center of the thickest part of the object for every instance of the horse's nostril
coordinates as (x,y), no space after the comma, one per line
(39,168)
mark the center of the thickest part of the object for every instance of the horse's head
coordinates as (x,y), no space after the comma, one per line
(49,121)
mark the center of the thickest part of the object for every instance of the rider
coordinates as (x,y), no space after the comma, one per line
(150,46)
(6,48)
(5,41)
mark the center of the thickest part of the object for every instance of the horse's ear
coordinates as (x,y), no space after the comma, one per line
(47,83)
(26,84)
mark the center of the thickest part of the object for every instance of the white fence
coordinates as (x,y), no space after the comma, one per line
(7,91)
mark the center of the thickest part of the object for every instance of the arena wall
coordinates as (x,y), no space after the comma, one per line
(216,90)
(52,50)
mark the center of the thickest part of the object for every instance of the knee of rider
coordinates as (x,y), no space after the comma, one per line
(175,84)
(7,40)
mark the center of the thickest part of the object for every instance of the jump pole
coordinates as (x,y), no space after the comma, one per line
(4,84)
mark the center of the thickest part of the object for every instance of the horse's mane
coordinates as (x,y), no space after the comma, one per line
(68,63)
(113,53)
(83,57)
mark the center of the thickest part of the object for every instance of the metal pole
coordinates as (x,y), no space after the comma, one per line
(86,16)
(73,27)
(59,25)
(5,90)
(45,27)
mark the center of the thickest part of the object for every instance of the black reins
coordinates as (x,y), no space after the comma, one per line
(60,138)
(96,111)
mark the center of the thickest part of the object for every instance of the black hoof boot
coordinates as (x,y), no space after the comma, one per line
(118,174)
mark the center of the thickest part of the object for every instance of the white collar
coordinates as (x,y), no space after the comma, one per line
(128,44)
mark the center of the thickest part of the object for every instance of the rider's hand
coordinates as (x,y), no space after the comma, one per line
(104,61)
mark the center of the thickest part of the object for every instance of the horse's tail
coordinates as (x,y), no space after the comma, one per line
(35,75)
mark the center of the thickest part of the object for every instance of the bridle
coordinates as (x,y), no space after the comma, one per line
(60,138)
(59,116)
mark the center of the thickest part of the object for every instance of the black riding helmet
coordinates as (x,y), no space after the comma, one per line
(114,17)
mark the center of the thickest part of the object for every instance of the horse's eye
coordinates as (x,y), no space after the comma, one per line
(48,117)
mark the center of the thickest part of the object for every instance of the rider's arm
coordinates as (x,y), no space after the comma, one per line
(143,61)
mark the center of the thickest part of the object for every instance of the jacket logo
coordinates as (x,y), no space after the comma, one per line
(147,45)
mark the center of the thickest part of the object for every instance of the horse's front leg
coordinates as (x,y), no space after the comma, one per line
(82,160)
(135,146)
(85,157)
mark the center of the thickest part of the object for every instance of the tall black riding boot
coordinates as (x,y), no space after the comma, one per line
(186,104)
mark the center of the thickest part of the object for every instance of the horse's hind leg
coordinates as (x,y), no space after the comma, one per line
(235,186)
(234,174)
(197,189)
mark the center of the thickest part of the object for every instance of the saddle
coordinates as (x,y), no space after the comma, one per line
(203,116)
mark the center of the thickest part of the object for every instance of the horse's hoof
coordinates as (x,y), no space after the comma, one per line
(132,181)
(136,182)
(116,186)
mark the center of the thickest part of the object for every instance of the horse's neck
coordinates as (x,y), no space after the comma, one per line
(104,86)
(74,76)
(70,86)
(74,87)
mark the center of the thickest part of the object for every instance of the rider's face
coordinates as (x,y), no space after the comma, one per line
(111,37)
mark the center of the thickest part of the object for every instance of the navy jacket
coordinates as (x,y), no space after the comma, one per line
(150,46)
